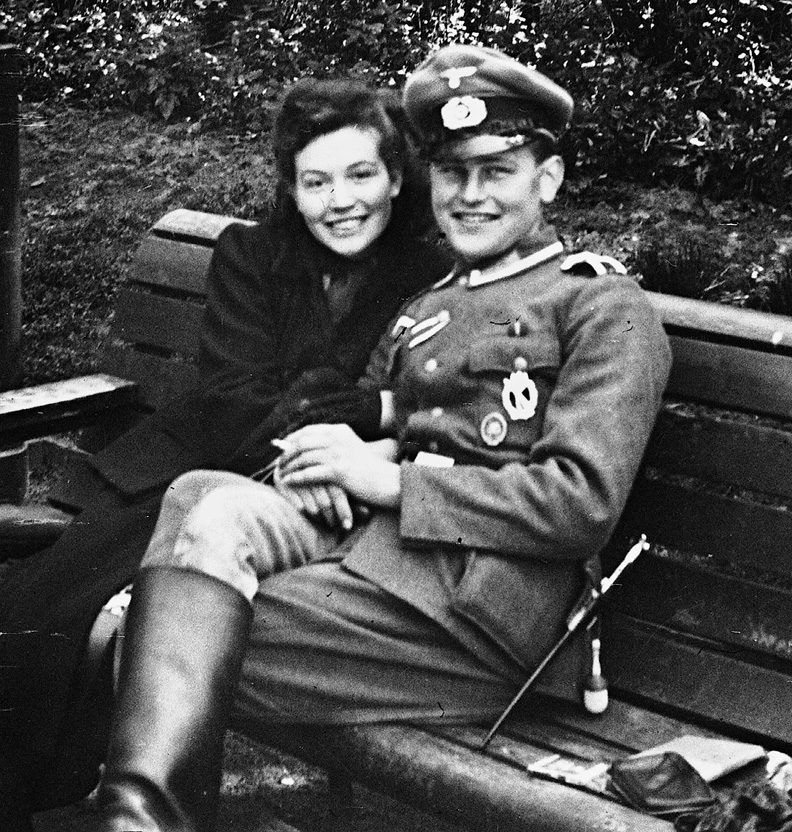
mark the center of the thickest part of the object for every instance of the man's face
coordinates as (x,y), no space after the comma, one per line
(487,204)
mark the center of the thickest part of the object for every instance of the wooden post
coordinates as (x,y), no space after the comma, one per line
(10,251)
(13,467)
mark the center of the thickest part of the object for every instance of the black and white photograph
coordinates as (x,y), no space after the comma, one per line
(396,416)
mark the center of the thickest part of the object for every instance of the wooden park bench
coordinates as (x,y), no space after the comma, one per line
(697,638)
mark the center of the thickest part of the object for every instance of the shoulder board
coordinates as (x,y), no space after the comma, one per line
(442,282)
(588,263)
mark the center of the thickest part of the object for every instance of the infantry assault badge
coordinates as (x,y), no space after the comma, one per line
(520,395)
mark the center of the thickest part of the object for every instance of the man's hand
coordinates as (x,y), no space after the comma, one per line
(319,502)
(333,455)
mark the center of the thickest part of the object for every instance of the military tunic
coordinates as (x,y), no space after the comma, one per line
(508,486)
(524,398)
(493,543)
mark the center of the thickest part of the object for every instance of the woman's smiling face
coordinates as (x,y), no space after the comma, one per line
(343,189)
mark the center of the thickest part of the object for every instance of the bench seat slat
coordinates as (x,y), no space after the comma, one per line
(748,455)
(730,376)
(561,739)
(511,749)
(171,264)
(463,785)
(645,662)
(625,725)
(151,320)
(746,616)
(160,380)
(708,524)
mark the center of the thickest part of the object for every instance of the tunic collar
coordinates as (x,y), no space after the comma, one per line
(540,247)
(477,277)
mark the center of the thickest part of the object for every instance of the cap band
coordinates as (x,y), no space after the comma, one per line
(469,115)
(465,90)
(463,112)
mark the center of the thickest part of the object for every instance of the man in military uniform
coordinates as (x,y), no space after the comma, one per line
(520,392)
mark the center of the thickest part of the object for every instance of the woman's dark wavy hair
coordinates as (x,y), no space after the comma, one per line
(313,108)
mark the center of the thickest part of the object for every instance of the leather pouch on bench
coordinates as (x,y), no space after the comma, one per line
(661,784)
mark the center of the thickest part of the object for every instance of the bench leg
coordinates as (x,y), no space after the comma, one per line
(341,802)
(13,474)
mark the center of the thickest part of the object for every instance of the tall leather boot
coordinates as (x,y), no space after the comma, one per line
(185,638)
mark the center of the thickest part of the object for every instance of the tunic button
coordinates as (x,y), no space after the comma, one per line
(520,363)
(437,412)
(433,447)
(431,365)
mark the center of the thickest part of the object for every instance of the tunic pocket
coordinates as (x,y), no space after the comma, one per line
(514,379)
(495,354)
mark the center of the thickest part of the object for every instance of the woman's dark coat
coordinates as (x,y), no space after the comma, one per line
(269,346)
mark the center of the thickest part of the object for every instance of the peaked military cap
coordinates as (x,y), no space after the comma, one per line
(464,91)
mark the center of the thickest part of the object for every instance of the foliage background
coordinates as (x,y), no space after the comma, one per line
(693,92)
(679,159)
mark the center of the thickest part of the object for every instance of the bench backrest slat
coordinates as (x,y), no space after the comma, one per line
(172,264)
(161,380)
(698,679)
(154,334)
(732,376)
(199,225)
(717,321)
(722,608)
(712,526)
(154,321)
(712,446)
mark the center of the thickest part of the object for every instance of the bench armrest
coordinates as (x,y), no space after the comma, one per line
(60,405)
(26,529)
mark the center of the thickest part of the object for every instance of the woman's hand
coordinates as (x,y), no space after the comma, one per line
(333,455)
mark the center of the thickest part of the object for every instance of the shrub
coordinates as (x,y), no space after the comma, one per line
(165,70)
(771,290)
(696,93)
(685,263)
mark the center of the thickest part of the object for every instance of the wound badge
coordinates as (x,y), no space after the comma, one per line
(520,395)
(493,429)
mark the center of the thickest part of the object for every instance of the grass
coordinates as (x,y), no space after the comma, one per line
(93,182)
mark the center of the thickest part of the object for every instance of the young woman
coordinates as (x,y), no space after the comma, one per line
(296,304)
(521,395)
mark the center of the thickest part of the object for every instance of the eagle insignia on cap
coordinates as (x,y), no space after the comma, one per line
(465,111)
(455,74)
